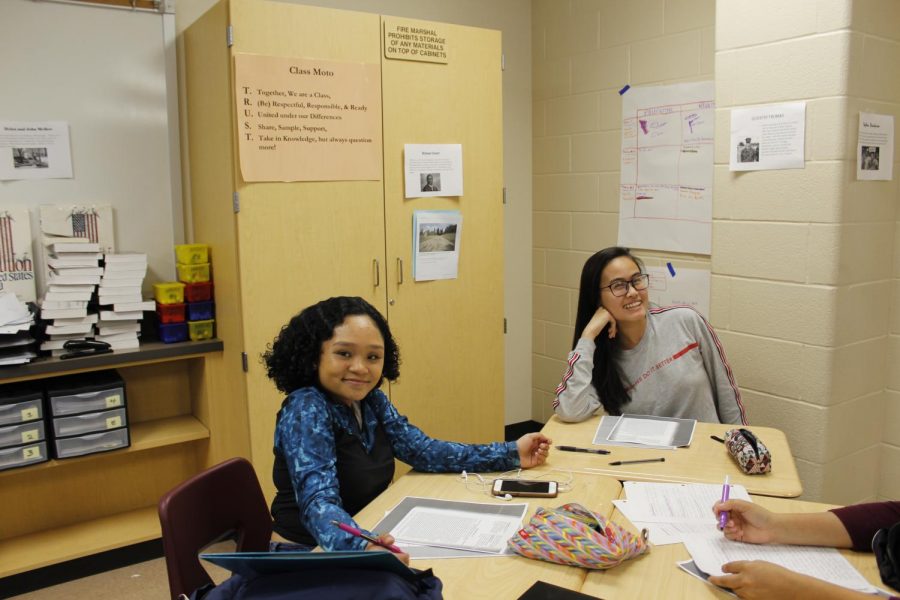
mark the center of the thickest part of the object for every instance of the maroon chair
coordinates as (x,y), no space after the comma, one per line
(222,502)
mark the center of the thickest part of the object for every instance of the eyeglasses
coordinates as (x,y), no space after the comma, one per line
(620,288)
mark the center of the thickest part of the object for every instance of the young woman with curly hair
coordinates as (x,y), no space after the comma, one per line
(337,434)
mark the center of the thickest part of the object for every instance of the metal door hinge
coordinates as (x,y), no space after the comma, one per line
(504,195)
(244,364)
(502,62)
(229,36)
(236,202)
(504,324)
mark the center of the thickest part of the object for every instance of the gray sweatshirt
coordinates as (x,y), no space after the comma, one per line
(678,369)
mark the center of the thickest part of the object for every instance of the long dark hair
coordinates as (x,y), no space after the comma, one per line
(292,359)
(605,377)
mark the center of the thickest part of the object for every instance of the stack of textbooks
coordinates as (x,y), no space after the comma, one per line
(121,304)
(74,274)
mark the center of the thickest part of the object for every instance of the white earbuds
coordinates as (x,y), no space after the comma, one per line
(507,497)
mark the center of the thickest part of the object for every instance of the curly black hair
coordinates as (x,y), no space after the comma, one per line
(292,358)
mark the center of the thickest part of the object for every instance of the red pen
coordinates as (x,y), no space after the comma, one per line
(361,534)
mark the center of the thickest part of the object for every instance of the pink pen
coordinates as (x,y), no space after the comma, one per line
(723,516)
(366,536)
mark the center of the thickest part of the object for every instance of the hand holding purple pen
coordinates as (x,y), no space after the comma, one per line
(723,516)
(369,538)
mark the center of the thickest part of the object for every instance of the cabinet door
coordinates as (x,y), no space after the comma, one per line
(450,332)
(301,242)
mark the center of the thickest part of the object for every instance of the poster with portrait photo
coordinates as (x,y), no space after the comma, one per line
(34,150)
(768,137)
(875,147)
(436,238)
(433,170)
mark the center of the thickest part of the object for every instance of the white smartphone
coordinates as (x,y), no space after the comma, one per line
(524,487)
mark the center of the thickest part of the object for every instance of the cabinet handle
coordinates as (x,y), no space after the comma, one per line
(377,271)
(399,270)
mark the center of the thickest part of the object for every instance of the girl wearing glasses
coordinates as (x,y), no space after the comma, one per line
(630,358)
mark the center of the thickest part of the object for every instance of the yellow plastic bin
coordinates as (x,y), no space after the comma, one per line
(192,254)
(201,330)
(169,292)
(193,273)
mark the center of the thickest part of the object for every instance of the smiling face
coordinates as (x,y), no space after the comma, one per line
(633,305)
(351,362)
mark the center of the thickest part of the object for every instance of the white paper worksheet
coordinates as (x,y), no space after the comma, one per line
(827,564)
(457,529)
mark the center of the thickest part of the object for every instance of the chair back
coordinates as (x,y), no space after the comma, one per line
(224,501)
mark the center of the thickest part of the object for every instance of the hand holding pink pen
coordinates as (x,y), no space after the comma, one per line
(369,538)
(723,516)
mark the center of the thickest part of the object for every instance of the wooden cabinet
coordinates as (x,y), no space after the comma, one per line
(291,244)
(65,509)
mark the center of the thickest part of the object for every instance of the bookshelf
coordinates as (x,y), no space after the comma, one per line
(65,509)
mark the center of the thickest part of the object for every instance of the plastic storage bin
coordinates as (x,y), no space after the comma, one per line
(90,422)
(91,443)
(22,456)
(198,292)
(20,403)
(23,433)
(200,311)
(170,313)
(192,254)
(173,332)
(201,330)
(170,292)
(192,273)
(91,392)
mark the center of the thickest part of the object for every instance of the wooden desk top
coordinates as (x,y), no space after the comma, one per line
(655,574)
(495,577)
(704,461)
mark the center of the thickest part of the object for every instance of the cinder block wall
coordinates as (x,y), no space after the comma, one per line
(584,52)
(803,280)
(805,275)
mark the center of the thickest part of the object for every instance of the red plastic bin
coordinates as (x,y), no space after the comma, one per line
(170,313)
(198,292)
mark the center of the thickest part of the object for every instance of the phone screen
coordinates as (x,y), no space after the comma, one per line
(520,486)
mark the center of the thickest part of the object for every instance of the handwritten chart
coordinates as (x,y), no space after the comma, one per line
(665,197)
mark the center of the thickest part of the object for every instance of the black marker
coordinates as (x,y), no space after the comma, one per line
(574,449)
(616,463)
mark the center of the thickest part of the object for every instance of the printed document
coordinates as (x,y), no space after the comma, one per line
(827,564)
(456,529)
(645,431)
(673,512)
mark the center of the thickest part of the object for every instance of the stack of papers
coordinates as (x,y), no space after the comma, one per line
(645,431)
(433,528)
(122,304)
(16,343)
(675,513)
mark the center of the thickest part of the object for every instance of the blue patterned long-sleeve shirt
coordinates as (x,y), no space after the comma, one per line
(304,435)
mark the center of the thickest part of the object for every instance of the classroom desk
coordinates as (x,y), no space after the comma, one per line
(494,577)
(704,461)
(655,574)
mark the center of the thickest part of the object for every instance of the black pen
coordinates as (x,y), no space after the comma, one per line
(574,449)
(616,463)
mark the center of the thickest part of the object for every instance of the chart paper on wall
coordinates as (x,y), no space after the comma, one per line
(665,198)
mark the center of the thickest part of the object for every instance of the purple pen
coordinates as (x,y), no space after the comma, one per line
(723,516)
